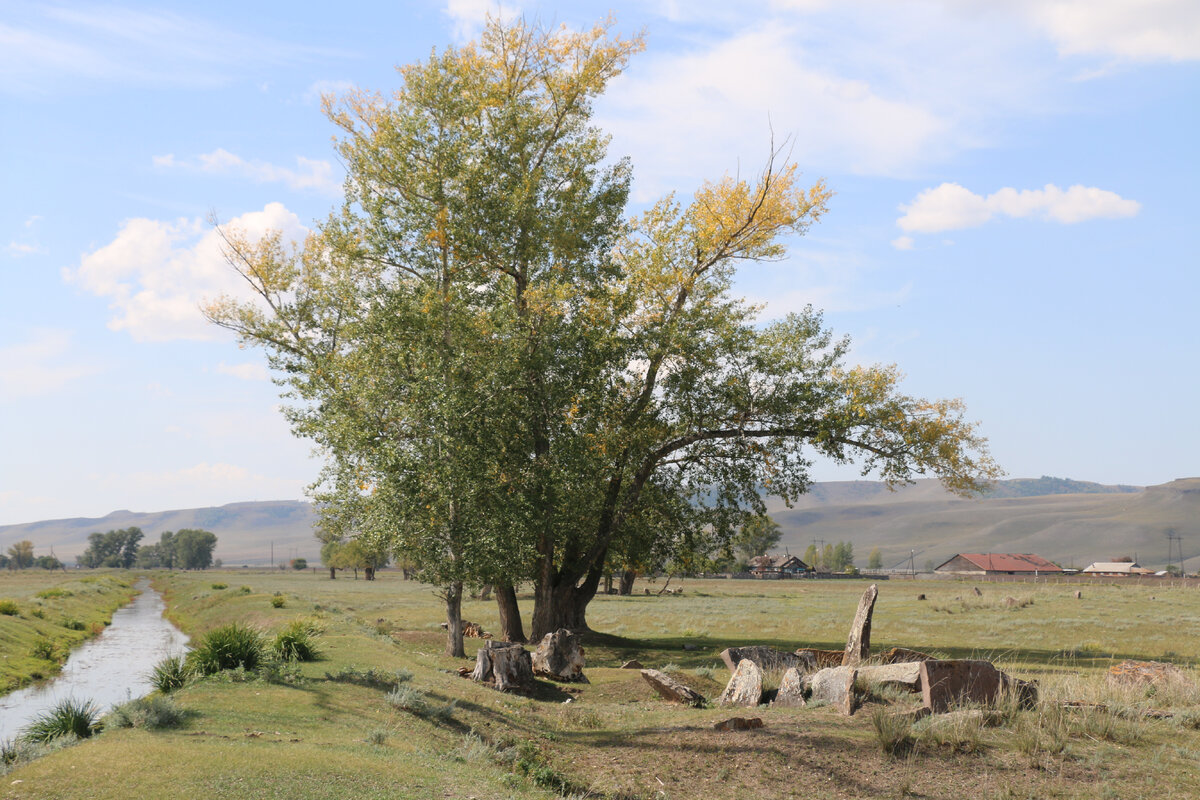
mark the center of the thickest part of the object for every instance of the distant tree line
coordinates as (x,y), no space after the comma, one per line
(21,556)
(833,557)
(188,548)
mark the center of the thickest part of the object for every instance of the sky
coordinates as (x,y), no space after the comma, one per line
(1015,218)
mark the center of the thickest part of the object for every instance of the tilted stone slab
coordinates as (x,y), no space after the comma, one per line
(559,656)
(791,690)
(767,658)
(745,687)
(946,684)
(672,689)
(858,643)
(906,676)
(897,655)
(835,685)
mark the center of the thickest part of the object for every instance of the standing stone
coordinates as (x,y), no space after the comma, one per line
(745,687)
(672,689)
(977,592)
(559,656)
(858,644)
(739,724)
(791,690)
(767,658)
(1078,595)
(835,685)
(507,664)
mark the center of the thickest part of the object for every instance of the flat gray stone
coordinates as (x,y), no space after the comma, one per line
(906,676)
(672,689)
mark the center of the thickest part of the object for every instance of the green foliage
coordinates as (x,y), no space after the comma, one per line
(299,563)
(151,713)
(228,647)
(296,642)
(46,649)
(73,625)
(374,678)
(893,731)
(20,555)
(117,548)
(511,379)
(278,600)
(219,586)
(55,591)
(170,674)
(193,548)
(757,537)
(71,717)
(9,608)
(875,559)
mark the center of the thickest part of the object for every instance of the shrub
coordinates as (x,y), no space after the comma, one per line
(151,713)
(219,586)
(277,600)
(227,647)
(409,699)
(170,674)
(893,731)
(245,590)
(55,591)
(73,717)
(373,678)
(9,608)
(73,625)
(45,649)
(296,642)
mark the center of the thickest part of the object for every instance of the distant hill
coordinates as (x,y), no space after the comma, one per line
(1094,523)
(245,531)
(1070,522)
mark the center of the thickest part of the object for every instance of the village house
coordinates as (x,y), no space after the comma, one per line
(783,565)
(1116,569)
(997,564)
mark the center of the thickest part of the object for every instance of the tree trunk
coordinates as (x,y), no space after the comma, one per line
(369,573)
(454,628)
(510,613)
(557,607)
(608,583)
(333,573)
(627,578)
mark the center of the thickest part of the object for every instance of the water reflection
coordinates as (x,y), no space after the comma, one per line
(110,669)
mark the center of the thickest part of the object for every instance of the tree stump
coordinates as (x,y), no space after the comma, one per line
(506,664)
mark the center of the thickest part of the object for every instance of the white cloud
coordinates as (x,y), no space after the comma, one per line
(952,207)
(156,274)
(59,46)
(248,371)
(467,17)
(40,365)
(319,88)
(200,484)
(309,173)
(1146,30)
(903,243)
(21,249)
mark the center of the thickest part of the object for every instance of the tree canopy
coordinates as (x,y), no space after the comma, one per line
(513,381)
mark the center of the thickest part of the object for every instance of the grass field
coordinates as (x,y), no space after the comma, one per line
(317,733)
(45,614)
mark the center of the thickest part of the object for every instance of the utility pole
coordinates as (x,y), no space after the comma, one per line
(1174,541)
(272,554)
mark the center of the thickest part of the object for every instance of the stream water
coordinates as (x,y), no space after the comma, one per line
(110,669)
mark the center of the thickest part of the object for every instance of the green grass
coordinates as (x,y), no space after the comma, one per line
(46,614)
(385,714)
(70,718)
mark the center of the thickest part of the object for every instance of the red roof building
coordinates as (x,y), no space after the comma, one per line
(997,564)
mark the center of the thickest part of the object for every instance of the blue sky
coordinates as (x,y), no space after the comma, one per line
(1015,220)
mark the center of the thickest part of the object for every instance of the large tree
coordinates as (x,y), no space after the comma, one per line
(512,382)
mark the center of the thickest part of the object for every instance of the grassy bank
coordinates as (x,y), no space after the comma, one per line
(45,614)
(325,731)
